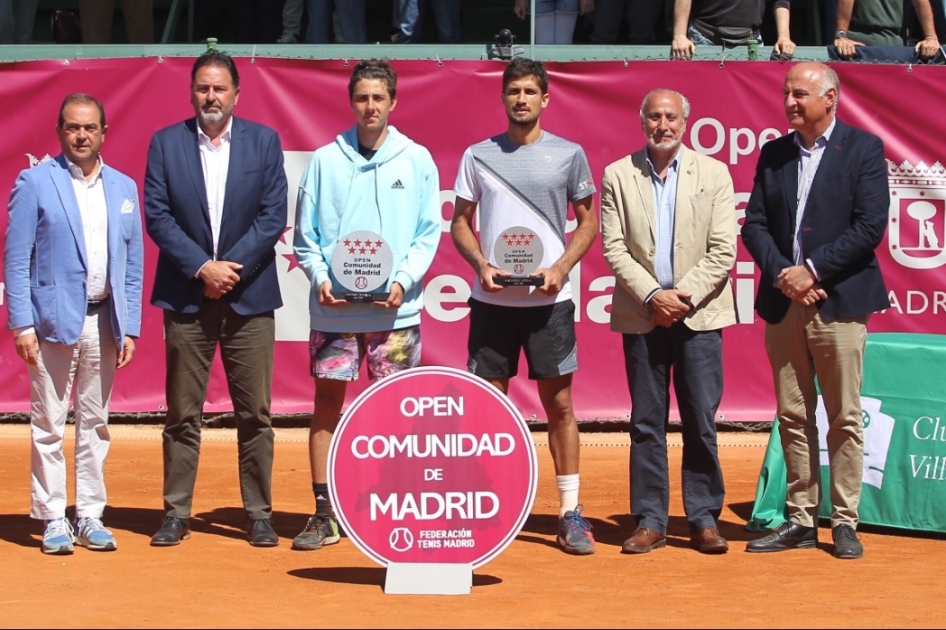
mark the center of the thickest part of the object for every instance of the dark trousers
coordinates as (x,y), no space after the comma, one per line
(96,18)
(246,347)
(641,17)
(695,361)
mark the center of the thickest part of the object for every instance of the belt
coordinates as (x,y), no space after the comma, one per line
(92,305)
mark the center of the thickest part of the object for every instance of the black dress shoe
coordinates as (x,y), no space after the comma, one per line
(172,532)
(846,544)
(788,536)
(260,533)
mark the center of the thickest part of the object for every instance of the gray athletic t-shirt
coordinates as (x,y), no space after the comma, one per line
(524,185)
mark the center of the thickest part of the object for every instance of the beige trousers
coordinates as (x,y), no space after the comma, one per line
(804,347)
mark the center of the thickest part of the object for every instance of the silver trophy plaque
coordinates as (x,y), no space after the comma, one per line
(519,251)
(362,263)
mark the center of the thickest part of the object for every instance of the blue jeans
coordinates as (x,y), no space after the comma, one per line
(699,39)
(550,6)
(409,20)
(16,21)
(351,18)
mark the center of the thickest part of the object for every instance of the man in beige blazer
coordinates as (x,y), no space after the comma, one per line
(669,227)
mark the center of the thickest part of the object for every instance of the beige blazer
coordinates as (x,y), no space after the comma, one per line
(704,240)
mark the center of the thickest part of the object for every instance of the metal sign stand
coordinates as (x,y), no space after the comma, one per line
(428,578)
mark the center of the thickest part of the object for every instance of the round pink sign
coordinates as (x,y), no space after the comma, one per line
(432,465)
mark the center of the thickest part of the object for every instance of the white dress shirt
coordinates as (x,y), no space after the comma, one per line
(216,164)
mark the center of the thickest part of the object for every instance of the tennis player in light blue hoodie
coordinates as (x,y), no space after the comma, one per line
(372,178)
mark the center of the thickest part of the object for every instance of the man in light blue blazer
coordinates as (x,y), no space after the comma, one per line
(73,267)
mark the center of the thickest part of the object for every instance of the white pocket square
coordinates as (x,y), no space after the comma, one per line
(128,206)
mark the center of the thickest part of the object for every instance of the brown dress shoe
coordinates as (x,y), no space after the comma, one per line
(708,540)
(643,540)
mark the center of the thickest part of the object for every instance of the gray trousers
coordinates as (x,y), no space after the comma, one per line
(246,347)
(695,360)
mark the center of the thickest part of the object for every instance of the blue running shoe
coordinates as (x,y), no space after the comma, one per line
(94,536)
(58,538)
(574,534)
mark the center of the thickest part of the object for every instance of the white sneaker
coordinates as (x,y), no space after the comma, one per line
(287,38)
(94,536)
(58,538)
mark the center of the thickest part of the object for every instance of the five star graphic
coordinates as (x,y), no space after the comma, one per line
(518,239)
(291,256)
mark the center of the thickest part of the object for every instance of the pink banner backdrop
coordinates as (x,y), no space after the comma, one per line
(446,106)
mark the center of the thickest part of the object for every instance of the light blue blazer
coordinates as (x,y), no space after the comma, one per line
(45,265)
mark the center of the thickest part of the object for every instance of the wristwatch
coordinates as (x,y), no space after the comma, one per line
(840,35)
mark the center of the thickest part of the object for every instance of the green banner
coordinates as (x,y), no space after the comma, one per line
(904,405)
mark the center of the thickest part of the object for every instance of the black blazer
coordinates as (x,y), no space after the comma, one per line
(254,216)
(843,224)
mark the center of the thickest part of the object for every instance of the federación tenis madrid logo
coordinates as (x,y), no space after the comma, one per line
(917,217)
(878,432)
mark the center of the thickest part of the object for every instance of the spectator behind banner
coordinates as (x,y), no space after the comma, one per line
(16,21)
(554,19)
(727,23)
(866,24)
(96,17)
(641,17)
(409,20)
(351,19)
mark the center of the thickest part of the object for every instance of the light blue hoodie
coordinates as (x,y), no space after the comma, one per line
(395,194)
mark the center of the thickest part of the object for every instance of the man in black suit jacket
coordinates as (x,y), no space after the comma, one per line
(817,212)
(215,205)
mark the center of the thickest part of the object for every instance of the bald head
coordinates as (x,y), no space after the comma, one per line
(811,98)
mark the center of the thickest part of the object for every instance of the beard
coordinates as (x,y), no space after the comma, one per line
(213,117)
(526,121)
(666,144)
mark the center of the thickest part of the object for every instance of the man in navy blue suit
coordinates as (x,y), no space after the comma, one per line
(817,212)
(215,205)
(73,267)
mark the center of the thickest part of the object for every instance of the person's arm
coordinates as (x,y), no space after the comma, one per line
(845,46)
(427,232)
(927,47)
(615,233)
(256,245)
(712,271)
(464,239)
(306,243)
(175,244)
(577,247)
(134,270)
(22,223)
(681,47)
(868,222)
(784,46)
(756,233)
(519,8)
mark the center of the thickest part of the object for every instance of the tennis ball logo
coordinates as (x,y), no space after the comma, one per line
(401,539)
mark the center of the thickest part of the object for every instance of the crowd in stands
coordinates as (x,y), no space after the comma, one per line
(683,25)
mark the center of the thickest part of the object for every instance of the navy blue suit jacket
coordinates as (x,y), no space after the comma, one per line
(178,221)
(842,226)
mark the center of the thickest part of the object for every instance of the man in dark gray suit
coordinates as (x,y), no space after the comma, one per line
(215,205)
